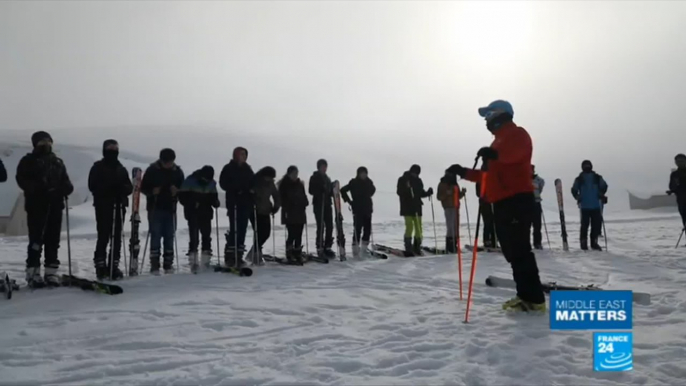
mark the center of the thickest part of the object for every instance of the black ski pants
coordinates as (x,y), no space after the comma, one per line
(45,227)
(199,226)
(363,222)
(262,227)
(489,227)
(238,225)
(323,215)
(537,215)
(295,236)
(109,220)
(513,217)
(593,217)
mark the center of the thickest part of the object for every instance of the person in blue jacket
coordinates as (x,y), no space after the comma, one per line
(589,190)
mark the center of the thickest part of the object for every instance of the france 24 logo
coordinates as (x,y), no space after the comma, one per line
(613,351)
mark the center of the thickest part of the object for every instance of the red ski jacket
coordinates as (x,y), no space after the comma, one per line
(510,174)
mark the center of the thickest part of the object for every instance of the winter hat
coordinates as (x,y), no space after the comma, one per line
(416,169)
(680,156)
(109,142)
(207,172)
(167,155)
(362,169)
(291,169)
(322,162)
(267,171)
(587,162)
(39,136)
(238,149)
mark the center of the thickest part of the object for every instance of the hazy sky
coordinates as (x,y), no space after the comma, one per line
(599,80)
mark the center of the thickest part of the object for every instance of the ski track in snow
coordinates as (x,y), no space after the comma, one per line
(394,322)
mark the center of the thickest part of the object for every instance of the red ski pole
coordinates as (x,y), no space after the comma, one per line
(476,246)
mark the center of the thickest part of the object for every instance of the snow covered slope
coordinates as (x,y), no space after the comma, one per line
(360,322)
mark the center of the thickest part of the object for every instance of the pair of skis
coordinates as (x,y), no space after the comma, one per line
(494,281)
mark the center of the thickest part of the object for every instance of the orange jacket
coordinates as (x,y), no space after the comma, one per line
(510,174)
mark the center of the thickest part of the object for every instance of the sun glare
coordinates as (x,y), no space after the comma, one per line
(485,28)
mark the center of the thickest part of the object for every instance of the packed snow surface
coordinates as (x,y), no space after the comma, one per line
(375,322)
(360,322)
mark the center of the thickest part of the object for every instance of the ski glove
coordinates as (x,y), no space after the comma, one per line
(430,192)
(488,153)
(457,170)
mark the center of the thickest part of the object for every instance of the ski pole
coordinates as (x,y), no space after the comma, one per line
(602,219)
(273,235)
(545,226)
(151,216)
(122,246)
(307,237)
(66,206)
(433,220)
(456,201)
(235,237)
(176,243)
(680,236)
(475,249)
(111,257)
(256,236)
(466,209)
(216,221)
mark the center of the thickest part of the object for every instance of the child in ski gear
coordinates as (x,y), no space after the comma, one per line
(199,198)
(45,182)
(677,185)
(293,212)
(538,184)
(110,185)
(589,190)
(445,193)
(410,190)
(321,189)
(267,204)
(490,240)
(509,189)
(362,190)
(161,183)
(236,180)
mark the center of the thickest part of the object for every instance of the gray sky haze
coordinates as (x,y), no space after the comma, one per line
(598,80)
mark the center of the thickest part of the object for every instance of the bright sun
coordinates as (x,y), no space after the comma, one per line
(483,28)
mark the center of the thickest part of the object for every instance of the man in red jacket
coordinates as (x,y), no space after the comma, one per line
(507,185)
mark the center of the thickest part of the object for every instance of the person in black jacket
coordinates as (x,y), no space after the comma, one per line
(677,185)
(321,189)
(236,179)
(293,212)
(45,182)
(410,190)
(362,190)
(199,197)
(161,183)
(267,202)
(3,172)
(110,185)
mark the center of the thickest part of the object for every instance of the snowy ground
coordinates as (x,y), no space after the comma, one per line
(361,322)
